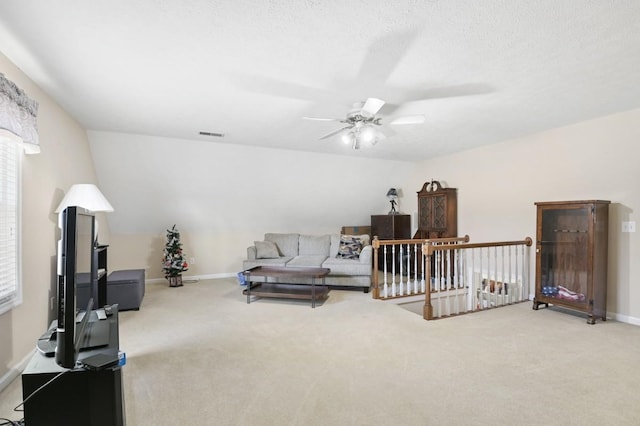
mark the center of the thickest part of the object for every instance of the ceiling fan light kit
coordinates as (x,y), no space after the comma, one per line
(361,121)
(362,134)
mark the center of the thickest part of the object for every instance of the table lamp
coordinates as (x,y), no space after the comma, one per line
(88,196)
(392,195)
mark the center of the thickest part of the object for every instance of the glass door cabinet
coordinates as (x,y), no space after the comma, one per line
(571,256)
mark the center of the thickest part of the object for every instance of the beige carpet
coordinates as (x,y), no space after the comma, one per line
(199,355)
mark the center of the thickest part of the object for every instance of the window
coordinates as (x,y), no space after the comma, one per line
(18,132)
(10,286)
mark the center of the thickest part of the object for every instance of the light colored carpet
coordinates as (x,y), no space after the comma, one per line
(200,355)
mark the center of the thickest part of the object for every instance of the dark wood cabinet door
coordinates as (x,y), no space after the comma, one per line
(391,226)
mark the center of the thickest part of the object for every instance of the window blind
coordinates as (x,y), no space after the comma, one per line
(10,288)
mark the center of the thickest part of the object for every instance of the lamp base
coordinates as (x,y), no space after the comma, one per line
(393,207)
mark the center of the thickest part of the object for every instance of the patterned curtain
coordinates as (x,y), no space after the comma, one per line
(18,114)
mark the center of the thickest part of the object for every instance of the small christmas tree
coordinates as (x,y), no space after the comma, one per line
(173,262)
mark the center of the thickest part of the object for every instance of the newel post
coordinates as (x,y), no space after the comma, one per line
(427,310)
(376,245)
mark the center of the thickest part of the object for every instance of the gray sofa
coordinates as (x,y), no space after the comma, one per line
(350,265)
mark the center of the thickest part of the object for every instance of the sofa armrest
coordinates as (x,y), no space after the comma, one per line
(366,255)
(251,253)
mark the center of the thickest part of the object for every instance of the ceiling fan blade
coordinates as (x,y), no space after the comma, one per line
(384,54)
(409,119)
(335,132)
(274,87)
(407,97)
(322,119)
(372,106)
(443,92)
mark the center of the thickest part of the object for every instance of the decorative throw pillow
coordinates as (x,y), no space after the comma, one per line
(350,247)
(364,238)
(266,250)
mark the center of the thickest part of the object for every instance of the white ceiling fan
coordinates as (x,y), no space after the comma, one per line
(361,122)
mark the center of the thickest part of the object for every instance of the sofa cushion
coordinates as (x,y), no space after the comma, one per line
(281,261)
(310,245)
(287,243)
(266,250)
(308,261)
(350,247)
(335,245)
(347,267)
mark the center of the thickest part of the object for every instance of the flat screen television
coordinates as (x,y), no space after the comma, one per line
(75,266)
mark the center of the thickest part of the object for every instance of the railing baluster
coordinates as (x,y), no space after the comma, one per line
(456,278)
(384,262)
(415,267)
(438,282)
(496,277)
(448,280)
(393,271)
(444,287)
(505,278)
(517,293)
(405,249)
(513,277)
(475,297)
(400,263)
(482,277)
(422,261)
(410,283)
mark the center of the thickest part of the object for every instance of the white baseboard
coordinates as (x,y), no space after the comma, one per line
(194,278)
(624,318)
(14,372)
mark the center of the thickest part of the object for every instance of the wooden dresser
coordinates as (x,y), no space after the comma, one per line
(390,227)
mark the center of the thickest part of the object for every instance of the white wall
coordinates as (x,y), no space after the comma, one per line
(64,160)
(499,184)
(223,197)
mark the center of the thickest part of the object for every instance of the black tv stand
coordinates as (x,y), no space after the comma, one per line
(79,396)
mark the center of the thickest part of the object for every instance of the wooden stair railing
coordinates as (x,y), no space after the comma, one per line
(469,277)
(403,269)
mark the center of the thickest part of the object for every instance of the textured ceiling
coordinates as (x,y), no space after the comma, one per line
(480,71)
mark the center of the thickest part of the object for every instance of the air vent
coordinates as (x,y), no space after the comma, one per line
(217,135)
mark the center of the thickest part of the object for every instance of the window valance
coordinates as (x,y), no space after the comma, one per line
(18,114)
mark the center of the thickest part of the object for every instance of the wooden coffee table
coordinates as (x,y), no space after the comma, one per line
(286,291)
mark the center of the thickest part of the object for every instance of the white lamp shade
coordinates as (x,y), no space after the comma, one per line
(85,195)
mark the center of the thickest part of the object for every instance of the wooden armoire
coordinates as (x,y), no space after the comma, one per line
(437,211)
